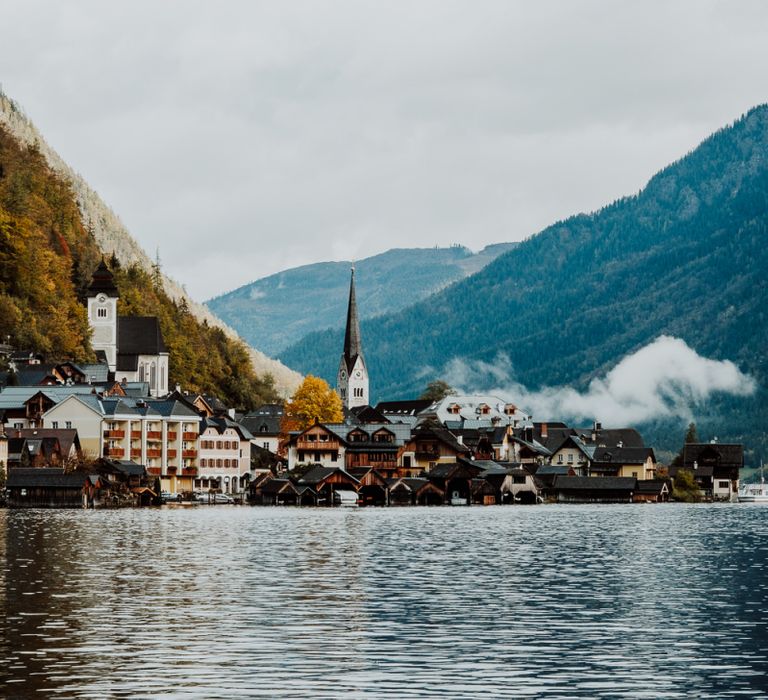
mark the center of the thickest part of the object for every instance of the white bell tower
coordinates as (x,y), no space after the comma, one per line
(102,313)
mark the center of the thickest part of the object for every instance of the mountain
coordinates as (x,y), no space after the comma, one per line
(686,256)
(113,238)
(47,256)
(271,313)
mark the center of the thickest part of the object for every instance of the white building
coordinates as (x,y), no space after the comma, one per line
(224,454)
(133,346)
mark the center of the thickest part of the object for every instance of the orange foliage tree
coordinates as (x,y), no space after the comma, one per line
(314,400)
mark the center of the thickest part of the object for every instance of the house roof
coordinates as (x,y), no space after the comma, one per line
(139,335)
(67,437)
(221,423)
(319,474)
(713,454)
(595,483)
(651,486)
(623,455)
(403,408)
(261,424)
(126,466)
(45,477)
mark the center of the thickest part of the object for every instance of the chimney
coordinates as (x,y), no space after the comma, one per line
(544,431)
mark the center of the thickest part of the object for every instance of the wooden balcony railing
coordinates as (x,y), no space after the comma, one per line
(114,434)
(171,454)
(188,436)
(189,471)
(189,453)
(154,435)
(171,435)
(114,452)
(135,434)
(154,453)
(155,471)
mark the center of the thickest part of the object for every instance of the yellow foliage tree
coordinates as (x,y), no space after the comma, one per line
(314,400)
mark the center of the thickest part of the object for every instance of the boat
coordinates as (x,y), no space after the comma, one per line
(754,493)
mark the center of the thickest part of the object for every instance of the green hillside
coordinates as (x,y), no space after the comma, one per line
(46,261)
(686,257)
(273,312)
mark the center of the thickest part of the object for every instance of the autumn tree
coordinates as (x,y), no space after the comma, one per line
(314,401)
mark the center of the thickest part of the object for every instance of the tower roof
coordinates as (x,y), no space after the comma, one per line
(103,281)
(352,346)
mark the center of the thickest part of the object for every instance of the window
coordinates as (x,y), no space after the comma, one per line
(101,313)
(334,456)
(68,425)
(560,459)
(265,445)
(219,463)
(55,424)
(18,426)
(203,462)
(226,463)
(219,444)
(570,459)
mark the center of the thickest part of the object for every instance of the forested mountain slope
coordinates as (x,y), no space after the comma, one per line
(686,256)
(273,312)
(47,258)
(113,238)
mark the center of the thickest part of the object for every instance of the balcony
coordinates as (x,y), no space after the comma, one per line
(171,454)
(189,471)
(189,436)
(172,469)
(135,434)
(189,453)
(135,452)
(114,452)
(154,471)
(428,456)
(171,435)
(154,453)
(154,434)
(114,434)
(317,445)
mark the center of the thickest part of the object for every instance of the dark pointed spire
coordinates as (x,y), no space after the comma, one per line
(102,281)
(352,346)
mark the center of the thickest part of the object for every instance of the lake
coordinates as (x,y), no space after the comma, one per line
(636,601)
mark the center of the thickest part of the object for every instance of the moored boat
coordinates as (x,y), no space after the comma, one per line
(754,493)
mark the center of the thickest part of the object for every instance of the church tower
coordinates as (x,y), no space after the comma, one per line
(352,381)
(102,313)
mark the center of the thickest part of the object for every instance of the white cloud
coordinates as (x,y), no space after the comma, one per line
(665,378)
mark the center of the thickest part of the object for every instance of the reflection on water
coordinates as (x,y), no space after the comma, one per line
(550,601)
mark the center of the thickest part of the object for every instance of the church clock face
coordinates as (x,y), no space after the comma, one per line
(358,374)
(101,298)
(343,374)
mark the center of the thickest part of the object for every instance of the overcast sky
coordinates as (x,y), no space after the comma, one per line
(243,138)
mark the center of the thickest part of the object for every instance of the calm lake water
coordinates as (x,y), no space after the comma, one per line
(642,601)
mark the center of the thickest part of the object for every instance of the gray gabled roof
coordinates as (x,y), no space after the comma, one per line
(595,483)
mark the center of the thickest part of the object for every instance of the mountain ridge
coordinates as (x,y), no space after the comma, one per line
(684,256)
(273,311)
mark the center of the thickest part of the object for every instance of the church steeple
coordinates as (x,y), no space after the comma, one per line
(352,347)
(352,383)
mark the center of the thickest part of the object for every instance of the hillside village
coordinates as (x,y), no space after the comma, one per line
(114,433)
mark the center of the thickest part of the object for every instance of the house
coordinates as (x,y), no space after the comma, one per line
(317,444)
(481,410)
(274,492)
(67,438)
(573,452)
(373,445)
(454,479)
(161,434)
(587,489)
(412,491)
(45,488)
(429,446)
(637,462)
(264,426)
(330,484)
(224,455)
(723,459)
(519,486)
(651,491)
(374,488)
